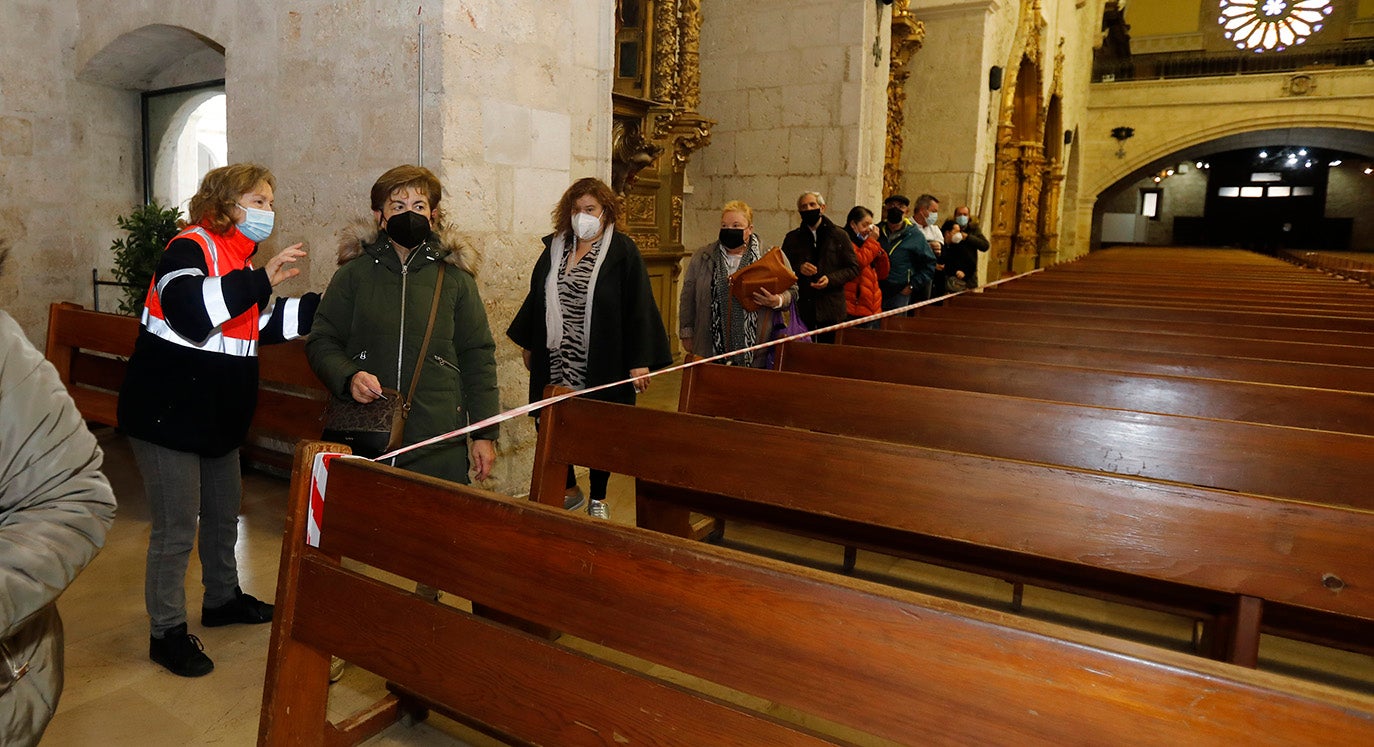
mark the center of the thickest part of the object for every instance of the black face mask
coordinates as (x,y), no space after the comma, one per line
(895,215)
(809,217)
(732,238)
(407,229)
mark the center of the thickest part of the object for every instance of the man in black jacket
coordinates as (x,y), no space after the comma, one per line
(963,241)
(825,262)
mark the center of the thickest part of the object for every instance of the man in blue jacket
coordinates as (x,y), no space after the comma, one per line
(912,260)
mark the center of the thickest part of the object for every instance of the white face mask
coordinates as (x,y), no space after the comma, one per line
(585,226)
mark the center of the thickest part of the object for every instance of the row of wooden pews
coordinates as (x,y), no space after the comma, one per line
(1237,501)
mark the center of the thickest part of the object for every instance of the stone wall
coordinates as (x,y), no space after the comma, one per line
(798,98)
(950,134)
(1349,194)
(324,93)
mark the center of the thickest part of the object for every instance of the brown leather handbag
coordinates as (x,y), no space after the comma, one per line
(770,273)
(376,428)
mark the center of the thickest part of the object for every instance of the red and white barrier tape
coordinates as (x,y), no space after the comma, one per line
(531,407)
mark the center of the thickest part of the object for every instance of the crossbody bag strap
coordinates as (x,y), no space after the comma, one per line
(429,332)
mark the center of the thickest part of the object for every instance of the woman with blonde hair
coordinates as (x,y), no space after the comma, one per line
(590,316)
(189,396)
(710,320)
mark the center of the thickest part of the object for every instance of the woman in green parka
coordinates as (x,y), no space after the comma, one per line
(372,319)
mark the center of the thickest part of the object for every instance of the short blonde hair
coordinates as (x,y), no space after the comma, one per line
(220,191)
(739,206)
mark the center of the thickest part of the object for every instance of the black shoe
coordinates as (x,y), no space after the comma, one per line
(244,608)
(182,653)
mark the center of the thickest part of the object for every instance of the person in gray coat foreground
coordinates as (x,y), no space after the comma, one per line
(55,507)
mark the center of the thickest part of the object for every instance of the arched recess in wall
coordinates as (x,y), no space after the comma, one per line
(179,75)
(1111,222)
(1019,165)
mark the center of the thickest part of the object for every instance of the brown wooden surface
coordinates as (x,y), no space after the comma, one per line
(1142,309)
(90,351)
(1054,526)
(896,665)
(1316,466)
(1139,339)
(1197,365)
(1299,407)
(976,313)
(1214,299)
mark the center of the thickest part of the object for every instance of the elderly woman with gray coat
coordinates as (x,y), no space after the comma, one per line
(710,320)
(55,508)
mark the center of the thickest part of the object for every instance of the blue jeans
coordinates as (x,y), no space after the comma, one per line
(186,489)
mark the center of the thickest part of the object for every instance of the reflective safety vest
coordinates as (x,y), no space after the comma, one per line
(236,335)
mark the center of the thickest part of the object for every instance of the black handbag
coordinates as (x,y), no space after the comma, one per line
(377,427)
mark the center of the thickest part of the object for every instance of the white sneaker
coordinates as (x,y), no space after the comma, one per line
(336,667)
(599,510)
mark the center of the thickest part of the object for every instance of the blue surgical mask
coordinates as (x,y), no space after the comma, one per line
(933,219)
(962,220)
(257,224)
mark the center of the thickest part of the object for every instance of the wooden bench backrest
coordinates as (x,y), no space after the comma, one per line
(1198,365)
(1141,339)
(1201,300)
(1317,466)
(90,351)
(1142,309)
(1196,537)
(1205,329)
(1278,289)
(887,663)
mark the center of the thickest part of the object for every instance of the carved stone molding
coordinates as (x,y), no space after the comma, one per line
(908,34)
(1020,167)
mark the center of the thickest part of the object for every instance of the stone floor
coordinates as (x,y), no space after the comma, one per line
(115,697)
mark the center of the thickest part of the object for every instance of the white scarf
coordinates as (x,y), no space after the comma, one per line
(553,313)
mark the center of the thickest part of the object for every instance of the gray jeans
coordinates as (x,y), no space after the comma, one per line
(181,488)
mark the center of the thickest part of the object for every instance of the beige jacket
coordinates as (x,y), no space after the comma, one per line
(55,507)
(694,305)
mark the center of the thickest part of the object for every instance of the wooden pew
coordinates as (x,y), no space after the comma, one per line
(1143,309)
(1197,365)
(1145,339)
(90,350)
(1168,546)
(869,661)
(1321,409)
(1204,329)
(1204,300)
(1315,466)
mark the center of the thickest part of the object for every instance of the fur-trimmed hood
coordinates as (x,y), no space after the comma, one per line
(363,236)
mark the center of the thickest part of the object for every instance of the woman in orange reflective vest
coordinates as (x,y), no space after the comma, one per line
(189,396)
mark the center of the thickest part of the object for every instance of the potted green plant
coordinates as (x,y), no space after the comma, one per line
(149,228)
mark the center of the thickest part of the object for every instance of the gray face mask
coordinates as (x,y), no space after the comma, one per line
(933,219)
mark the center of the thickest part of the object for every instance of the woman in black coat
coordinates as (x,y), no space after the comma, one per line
(594,321)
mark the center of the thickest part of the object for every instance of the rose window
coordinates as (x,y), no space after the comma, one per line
(1272,25)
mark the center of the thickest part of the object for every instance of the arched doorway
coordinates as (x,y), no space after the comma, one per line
(1267,188)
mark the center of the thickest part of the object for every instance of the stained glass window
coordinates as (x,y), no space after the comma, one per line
(1271,25)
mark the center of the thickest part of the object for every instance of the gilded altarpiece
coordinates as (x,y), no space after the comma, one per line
(1052,179)
(907,36)
(1020,164)
(656,129)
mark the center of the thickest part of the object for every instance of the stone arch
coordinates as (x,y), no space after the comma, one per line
(1358,132)
(154,56)
(1355,137)
(185,146)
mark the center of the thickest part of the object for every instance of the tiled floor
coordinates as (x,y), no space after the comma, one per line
(115,697)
